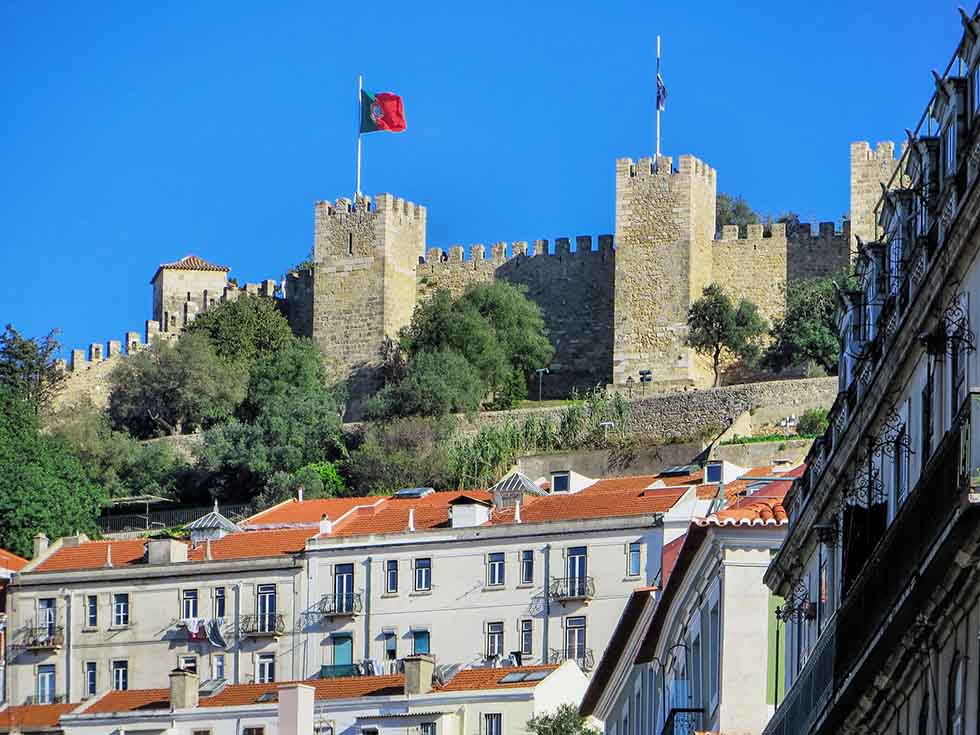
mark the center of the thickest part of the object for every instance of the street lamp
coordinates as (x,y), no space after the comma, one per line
(646,376)
(541,373)
(629,386)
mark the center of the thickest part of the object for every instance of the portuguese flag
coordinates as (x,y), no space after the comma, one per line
(382,111)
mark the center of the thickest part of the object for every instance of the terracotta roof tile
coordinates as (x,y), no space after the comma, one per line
(33,716)
(490,678)
(307,512)
(93,555)
(762,508)
(11,561)
(669,555)
(586,504)
(193,263)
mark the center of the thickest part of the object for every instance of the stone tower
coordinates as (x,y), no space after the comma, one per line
(362,286)
(869,170)
(183,288)
(665,224)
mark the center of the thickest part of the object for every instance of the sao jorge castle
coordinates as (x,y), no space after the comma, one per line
(613,305)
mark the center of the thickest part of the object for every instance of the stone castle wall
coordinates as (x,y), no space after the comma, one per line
(573,288)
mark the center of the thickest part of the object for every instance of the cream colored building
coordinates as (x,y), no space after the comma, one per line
(699,654)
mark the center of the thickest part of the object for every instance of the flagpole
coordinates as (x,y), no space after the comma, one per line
(357,189)
(657,103)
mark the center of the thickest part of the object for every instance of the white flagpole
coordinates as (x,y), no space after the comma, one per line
(357,189)
(656,99)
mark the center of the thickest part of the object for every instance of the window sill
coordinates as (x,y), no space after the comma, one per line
(90,630)
(388,595)
(525,585)
(633,578)
(494,587)
(420,593)
(120,627)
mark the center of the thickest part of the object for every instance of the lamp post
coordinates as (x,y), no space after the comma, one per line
(541,373)
(629,386)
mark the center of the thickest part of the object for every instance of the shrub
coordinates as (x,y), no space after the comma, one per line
(813,422)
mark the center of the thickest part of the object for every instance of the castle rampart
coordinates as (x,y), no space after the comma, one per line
(870,169)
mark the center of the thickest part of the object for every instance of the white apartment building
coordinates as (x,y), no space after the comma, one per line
(699,655)
(322,588)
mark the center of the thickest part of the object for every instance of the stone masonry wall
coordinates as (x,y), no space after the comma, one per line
(573,289)
(869,170)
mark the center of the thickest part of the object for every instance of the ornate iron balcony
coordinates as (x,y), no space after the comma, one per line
(683,721)
(572,588)
(331,606)
(582,656)
(269,624)
(44,637)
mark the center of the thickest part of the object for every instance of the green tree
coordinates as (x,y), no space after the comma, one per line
(809,331)
(43,486)
(27,365)
(174,388)
(247,329)
(409,452)
(716,327)
(735,210)
(434,384)
(563,721)
(289,419)
(813,422)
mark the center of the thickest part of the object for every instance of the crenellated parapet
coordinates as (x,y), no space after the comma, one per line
(501,252)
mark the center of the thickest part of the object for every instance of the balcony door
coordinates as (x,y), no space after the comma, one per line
(578,570)
(46,616)
(575,639)
(266,608)
(343,587)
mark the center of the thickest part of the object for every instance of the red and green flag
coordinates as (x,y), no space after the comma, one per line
(382,111)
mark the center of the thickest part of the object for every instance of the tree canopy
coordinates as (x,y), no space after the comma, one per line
(43,486)
(247,329)
(27,365)
(809,331)
(733,210)
(716,326)
(565,720)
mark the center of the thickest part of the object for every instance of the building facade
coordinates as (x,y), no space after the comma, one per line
(879,570)
(698,654)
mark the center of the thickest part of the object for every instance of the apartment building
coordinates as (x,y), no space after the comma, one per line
(698,654)
(880,567)
(321,588)
(10,564)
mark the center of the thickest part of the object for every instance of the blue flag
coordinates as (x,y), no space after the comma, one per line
(661,91)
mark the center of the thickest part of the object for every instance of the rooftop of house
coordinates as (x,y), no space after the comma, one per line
(350,687)
(10,561)
(33,717)
(290,526)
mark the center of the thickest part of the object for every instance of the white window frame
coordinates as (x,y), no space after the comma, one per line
(91,671)
(495,639)
(391,575)
(189,604)
(526,634)
(220,602)
(92,611)
(564,475)
(188,658)
(46,685)
(120,675)
(496,568)
(265,668)
(493,723)
(120,609)
(218,666)
(423,575)
(714,636)
(634,548)
(527,564)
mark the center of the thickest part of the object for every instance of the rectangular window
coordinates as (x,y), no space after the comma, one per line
(495,569)
(266,609)
(492,724)
(527,567)
(219,602)
(120,675)
(45,684)
(823,611)
(633,560)
(188,604)
(423,574)
(200,732)
(560,482)
(253,731)
(391,576)
(47,615)
(696,668)
(120,609)
(575,638)
(343,587)
(714,654)
(427,728)
(926,429)
(91,679)
(420,641)
(495,639)
(391,646)
(901,466)
(949,143)
(188,663)
(577,564)
(343,650)
(266,668)
(218,666)
(91,611)
(527,637)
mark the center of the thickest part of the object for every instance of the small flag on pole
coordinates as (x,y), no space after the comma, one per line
(382,111)
(661,91)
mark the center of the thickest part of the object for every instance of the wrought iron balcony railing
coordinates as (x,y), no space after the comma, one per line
(683,721)
(268,624)
(44,637)
(582,656)
(331,606)
(572,588)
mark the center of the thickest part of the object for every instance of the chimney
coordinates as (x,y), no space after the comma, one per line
(326,525)
(296,709)
(40,544)
(207,550)
(411,519)
(166,551)
(108,555)
(517,512)
(183,689)
(299,493)
(418,674)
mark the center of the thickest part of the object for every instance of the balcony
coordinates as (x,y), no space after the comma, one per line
(44,638)
(334,606)
(683,721)
(810,692)
(269,625)
(583,657)
(568,589)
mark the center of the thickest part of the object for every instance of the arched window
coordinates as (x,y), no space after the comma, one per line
(957,685)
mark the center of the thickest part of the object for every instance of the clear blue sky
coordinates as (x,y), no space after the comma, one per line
(135,133)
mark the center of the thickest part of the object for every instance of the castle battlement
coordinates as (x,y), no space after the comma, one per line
(386,205)
(664,166)
(883,151)
(497,252)
(807,232)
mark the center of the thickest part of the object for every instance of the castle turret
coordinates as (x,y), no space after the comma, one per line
(183,288)
(362,286)
(870,169)
(665,222)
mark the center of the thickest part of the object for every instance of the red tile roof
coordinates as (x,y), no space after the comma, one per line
(193,263)
(307,512)
(33,716)
(669,556)
(11,561)
(764,507)
(340,688)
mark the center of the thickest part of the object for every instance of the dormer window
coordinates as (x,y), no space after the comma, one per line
(712,473)
(560,482)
